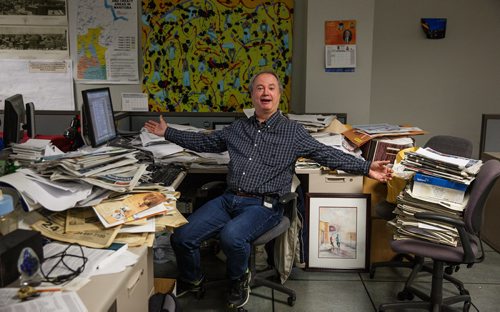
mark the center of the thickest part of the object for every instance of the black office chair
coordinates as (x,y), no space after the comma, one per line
(445,144)
(468,251)
(269,277)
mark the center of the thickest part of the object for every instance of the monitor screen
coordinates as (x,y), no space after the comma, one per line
(13,119)
(98,118)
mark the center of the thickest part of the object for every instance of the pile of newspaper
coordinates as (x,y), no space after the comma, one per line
(166,152)
(81,178)
(313,123)
(439,186)
(95,197)
(30,151)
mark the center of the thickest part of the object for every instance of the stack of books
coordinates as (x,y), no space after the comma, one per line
(439,186)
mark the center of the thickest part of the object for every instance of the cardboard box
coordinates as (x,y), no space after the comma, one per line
(438,188)
(164,285)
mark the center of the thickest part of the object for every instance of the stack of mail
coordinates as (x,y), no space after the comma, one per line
(165,152)
(440,187)
(31,151)
(313,123)
(454,168)
(80,178)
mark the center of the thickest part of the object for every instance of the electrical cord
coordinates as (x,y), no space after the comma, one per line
(63,257)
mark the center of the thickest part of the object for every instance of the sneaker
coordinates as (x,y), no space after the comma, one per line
(184,287)
(239,291)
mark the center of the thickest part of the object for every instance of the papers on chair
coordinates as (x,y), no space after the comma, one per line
(430,162)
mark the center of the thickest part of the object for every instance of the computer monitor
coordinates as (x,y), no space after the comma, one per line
(97,116)
(30,120)
(13,119)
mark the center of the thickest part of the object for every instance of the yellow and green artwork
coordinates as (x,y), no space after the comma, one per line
(199,55)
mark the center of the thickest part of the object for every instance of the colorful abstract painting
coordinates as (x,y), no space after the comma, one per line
(199,55)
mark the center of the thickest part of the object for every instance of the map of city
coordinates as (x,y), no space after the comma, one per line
(199,55)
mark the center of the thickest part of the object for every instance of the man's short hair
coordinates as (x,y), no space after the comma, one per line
(252,80)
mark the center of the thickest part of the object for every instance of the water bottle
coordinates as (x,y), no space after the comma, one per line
(8,218)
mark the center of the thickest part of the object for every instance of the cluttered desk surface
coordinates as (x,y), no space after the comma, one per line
(119,197)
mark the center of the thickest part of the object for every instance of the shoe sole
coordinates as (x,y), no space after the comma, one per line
(234,306)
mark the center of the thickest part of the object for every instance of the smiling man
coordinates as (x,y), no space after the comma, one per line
(262,151)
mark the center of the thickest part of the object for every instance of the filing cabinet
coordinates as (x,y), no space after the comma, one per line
(321,182)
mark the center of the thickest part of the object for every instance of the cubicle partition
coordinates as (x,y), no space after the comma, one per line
(490,138)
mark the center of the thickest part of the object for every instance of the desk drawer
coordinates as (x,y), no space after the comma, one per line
(335,183)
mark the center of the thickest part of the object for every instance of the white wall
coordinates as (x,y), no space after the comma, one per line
(443,85)
(339,92)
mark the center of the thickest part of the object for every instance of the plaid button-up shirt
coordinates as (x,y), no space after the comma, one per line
(262,155)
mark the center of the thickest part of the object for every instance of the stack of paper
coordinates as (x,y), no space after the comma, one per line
(313,123)
(439,187)
(166,152)
(433,163)
(31,151)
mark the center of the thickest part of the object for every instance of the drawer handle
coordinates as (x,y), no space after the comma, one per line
(134,280)
(336,180)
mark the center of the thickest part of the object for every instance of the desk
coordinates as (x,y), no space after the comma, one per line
(125,291)
(490,231)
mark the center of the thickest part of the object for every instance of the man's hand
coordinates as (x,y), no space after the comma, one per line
(379,170)
(155,127)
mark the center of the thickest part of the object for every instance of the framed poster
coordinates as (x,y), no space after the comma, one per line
(338,231)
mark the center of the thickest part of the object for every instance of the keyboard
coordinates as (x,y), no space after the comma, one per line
(166,174)
(120,141)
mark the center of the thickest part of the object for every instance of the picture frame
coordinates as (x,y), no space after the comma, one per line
(339,230)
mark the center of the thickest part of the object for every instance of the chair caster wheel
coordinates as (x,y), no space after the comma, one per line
(405,295)
(200,294)
(372,273)
(291,300)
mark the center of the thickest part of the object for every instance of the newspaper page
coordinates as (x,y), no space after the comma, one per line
(98,239)
(81,220)
(113,213)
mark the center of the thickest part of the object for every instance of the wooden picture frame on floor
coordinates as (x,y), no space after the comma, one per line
(339,230)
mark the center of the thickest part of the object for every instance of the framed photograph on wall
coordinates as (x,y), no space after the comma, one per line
(338,231)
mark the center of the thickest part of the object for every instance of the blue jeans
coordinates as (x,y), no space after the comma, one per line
(237,220)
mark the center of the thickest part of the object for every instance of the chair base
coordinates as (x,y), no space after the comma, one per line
(396,262)
(263,279)
(435,301)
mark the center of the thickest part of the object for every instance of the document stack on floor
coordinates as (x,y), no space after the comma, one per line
(439,186)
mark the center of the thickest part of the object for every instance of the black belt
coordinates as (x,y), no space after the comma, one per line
(243,194)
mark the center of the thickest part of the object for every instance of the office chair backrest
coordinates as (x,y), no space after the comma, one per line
(480,190)
(452,145)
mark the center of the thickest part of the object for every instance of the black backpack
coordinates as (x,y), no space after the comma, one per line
(163,303)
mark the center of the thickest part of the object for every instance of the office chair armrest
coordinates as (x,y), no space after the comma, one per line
(213,185)
(288,197)
(465,237)
(289,200)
